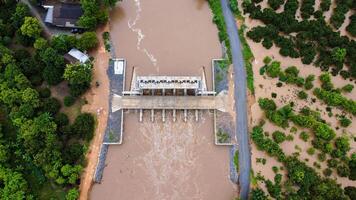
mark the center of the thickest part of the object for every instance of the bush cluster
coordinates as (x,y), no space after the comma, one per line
(333,98)
(310,39)
(307,183)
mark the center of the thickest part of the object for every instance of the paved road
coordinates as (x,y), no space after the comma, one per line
(240,101)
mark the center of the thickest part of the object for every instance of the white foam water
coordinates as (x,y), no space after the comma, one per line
(140,35)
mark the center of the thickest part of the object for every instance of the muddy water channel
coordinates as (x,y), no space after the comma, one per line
(171,160)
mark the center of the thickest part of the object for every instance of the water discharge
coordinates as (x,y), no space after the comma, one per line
(171,160)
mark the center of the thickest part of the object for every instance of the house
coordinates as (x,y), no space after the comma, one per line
(75,56)
(63,15)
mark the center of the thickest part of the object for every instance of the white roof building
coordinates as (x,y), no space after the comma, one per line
(74,55)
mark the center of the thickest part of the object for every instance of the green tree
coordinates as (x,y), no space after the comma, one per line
(351,192)
(278,136)
(17,18)
(68,101)
(343,170)
(30,96)
(51,106)
(87,41)
(40,43)
(84,126)
(274,69)
(14,186)
(73,194)
(344,121)
(78,73)
(338,54)
(71,172)
(31,27)
(258,194)
(110,3)
(302,95)
(348,88)
(267,104)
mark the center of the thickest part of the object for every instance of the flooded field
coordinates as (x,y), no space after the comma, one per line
(264,86)
(171,160)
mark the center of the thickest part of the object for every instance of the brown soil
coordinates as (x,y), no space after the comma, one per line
(97,98)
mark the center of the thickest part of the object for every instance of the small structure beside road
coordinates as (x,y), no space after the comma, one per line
(75,56)
(63,15)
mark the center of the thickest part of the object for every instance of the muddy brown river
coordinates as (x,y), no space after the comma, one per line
(171,160)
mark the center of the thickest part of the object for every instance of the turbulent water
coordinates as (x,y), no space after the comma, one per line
(171,160)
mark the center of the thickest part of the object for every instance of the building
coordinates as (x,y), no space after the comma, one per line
(75,56)
(168,85)
(63,15)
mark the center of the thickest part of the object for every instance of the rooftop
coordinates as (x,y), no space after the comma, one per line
(74,55)
(168,82)
(64,14)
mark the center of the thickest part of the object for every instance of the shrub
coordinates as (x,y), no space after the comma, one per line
(307,8)
(69,101)
(274,69)
(351,192)
(332,98)
(72,194)
(267,60)
(302,95)
(84,126)
(344,121)
(309,82)
(51,105)
(258,194)
(311,151)
(274,95)
(267,43)
(326,83)
(278,136)
(332,163)
(61,119)
(45,92)
(347,88)
(304,136)
(342,144)
(325,5)
(321,157)
(275,4)
(338,16)
(343,170)
(327,172)
(275,169)
(290,138)
(267,104)
(351,28)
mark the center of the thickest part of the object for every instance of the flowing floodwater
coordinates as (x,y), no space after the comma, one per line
(171,160)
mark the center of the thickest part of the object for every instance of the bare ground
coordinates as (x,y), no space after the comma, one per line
(98,102)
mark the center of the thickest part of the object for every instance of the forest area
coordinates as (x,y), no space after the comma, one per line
(42,151)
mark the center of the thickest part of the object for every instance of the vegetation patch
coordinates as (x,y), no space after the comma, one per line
(42,154)
(223,137)
(312,40)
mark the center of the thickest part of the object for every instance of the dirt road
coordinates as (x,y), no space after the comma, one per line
(98,103)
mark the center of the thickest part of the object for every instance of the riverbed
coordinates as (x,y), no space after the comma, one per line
(171,160)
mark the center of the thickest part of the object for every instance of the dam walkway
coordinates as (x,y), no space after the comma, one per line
(170,102)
